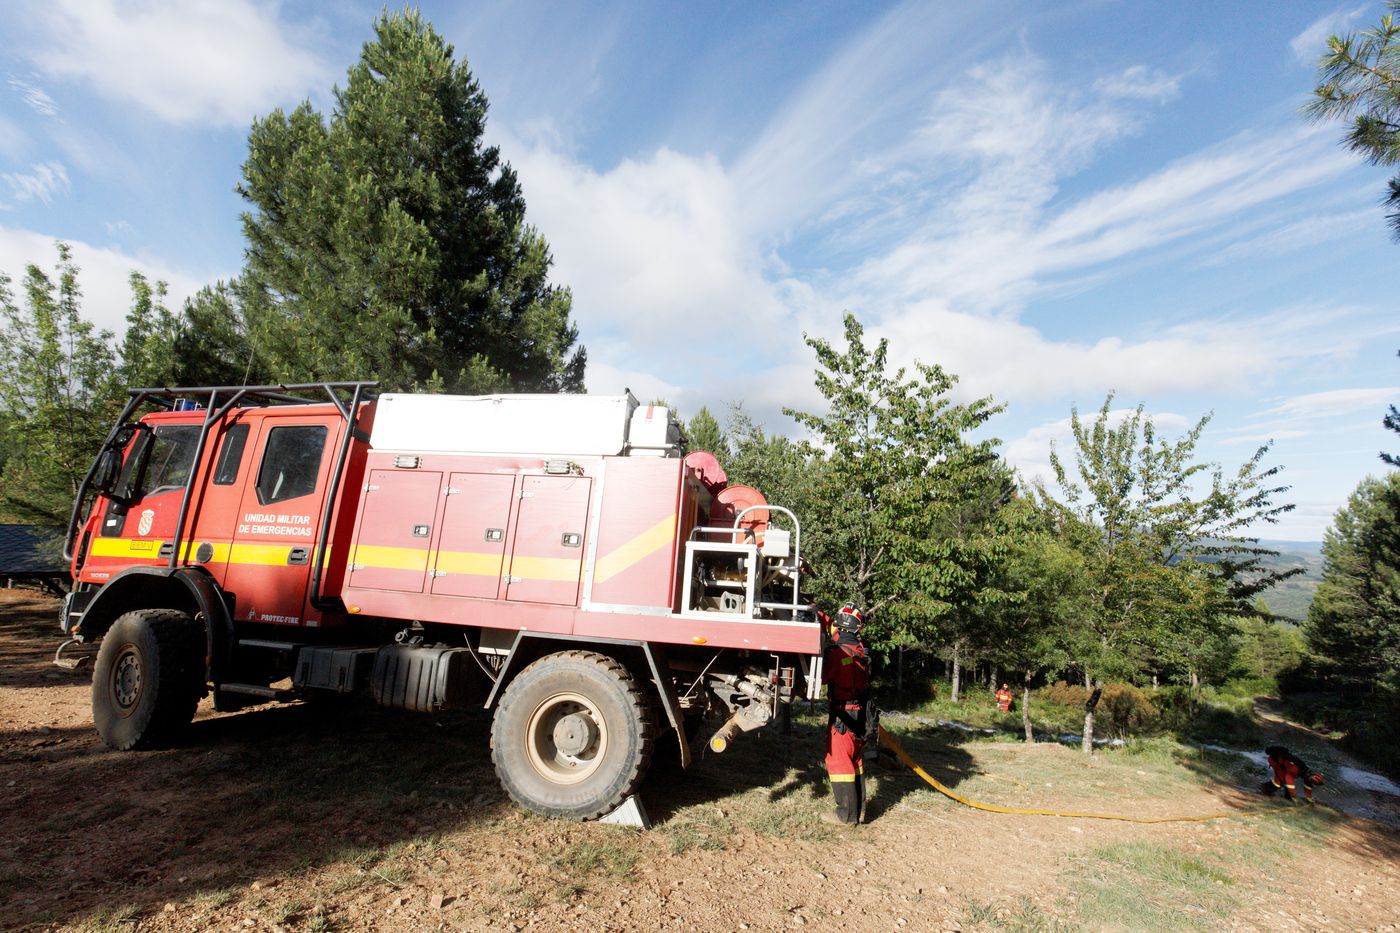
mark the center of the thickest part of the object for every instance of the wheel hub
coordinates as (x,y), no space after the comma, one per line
(566,738)
(574,733)
(126,680)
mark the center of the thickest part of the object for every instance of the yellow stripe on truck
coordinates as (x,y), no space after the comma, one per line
(639,548)
(221,551)
(471,563)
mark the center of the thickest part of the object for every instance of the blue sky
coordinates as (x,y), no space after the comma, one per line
(1052,201)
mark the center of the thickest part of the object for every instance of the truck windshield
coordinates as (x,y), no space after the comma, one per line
(169,457)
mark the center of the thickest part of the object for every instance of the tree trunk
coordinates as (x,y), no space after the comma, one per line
(899,674)
(1154,683)
(1089,708)
(957,671)
(1026,708)
(992,680)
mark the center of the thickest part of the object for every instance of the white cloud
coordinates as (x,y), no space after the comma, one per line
(1296,235)
(119,228)
(103,274)
(1336,403)
(35,97)
(1311,44)
(41,183)
(187,61)
(653,252)
(1141,83)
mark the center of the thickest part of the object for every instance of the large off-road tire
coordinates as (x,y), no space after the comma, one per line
(573,735)
(148,678)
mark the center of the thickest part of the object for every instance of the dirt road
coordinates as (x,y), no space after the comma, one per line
(317,818)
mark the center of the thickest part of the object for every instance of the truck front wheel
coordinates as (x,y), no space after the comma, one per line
(572,736)
(148,678)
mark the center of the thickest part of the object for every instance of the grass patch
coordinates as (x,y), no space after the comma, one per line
(1023,918)
(700,830)
(121,919)
(1142,886)
(591,858)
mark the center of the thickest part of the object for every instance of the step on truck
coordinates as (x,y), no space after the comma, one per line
(558,560)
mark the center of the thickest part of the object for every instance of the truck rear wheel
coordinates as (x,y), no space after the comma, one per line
(572,736)
(148,678)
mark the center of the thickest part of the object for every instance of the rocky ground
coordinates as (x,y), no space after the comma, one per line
(305,817)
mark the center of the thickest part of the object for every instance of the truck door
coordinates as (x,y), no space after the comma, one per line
(546,560)
(396,526)
(473,546)
(153,483)
(279,518)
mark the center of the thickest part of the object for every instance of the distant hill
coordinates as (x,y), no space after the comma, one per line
(1293,596)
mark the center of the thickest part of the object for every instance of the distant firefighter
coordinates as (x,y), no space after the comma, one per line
(1289,770)
(1004,697)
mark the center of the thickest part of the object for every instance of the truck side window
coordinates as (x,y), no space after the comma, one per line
(169,458)
(231,456)
(291,462)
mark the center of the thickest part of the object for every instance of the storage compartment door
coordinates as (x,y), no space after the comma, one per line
(472,551)
(396,526)
(547,557)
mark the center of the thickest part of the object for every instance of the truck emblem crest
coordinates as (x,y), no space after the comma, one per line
(148,517)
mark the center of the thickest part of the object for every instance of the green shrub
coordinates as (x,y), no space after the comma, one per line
(1125,709)
(1064,694)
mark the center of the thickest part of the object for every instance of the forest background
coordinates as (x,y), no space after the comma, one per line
(385,240)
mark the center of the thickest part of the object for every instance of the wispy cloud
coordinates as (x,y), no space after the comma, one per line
(1311,44)
(35,97)
(1141,83)
(40,183)
(187,61)
(1336,403)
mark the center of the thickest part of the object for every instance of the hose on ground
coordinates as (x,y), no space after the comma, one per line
(893,744)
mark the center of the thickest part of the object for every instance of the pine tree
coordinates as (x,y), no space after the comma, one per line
(704,433)
(390,242)
(1354,621)
(1360,84)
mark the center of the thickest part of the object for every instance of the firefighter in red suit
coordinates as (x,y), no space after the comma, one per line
(1004,698)
(846,672)
(1289,771)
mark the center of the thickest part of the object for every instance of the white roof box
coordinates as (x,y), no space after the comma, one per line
(582,425)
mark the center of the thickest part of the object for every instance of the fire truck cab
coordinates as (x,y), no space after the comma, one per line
(559,560)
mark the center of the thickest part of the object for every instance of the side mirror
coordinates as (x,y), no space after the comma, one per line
(109,469)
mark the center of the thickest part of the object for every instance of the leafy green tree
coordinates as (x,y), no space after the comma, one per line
(1359,83)
(785,472)
(895,446)
(704,433)
(56,387)
(1354,622)
(389,241)
(1165,542)
(1044,580)
(148,356)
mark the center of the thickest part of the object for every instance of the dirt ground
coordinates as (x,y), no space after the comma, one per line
(312,817)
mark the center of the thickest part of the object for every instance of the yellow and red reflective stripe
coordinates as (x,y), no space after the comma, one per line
(471,563)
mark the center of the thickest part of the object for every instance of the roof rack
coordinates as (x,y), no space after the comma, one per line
(229,396)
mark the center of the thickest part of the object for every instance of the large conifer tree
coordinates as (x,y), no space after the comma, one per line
(389,241)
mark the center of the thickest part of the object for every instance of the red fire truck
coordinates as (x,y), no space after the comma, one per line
(557,559)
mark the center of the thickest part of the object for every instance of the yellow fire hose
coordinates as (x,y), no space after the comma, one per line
(948,792)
